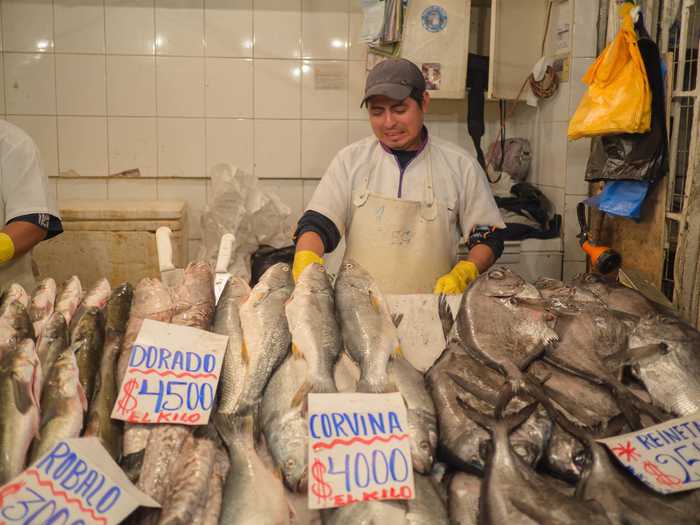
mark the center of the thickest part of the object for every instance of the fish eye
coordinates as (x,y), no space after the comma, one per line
(285,268)
(496,274)
(291,463)
(349,266)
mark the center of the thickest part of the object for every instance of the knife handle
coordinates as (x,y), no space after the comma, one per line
(165,249)
(224,257)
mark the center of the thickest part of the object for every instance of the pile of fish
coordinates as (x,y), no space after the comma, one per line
(502,428)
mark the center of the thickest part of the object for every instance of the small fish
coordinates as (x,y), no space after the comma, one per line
(69,298)
(54,340)
(42,304)
(87,340)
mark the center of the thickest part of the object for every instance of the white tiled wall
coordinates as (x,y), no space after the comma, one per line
(173,87)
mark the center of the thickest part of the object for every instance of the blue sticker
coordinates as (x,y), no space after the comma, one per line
(434,18)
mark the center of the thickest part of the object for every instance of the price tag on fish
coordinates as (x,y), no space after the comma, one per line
(172,375)
(77,482)
(358,449)
(666,456)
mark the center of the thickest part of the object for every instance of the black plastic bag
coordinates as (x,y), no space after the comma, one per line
(528,201)
(636,156)
(267,256)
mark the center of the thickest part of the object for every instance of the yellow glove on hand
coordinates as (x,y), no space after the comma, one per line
(458,279)
(7,248)
(302,259)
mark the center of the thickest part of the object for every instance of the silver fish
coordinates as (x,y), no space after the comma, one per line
(367,513)
(369,332)
(15,315)
(54,340)
(614,295)
(427,507)
(210,512)
(41,307)
(15,292)
(464,490)
(63,406)
(19,414)
(69,298)
(87,339)
(422,418)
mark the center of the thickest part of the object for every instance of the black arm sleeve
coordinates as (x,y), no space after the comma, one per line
(488,235)
(48,222)
(312,221)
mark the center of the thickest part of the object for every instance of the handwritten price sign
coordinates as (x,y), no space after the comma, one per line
(666,456)
(358,449)
(77,483)
(172,375)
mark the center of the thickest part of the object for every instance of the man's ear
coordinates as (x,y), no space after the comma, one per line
(426,101)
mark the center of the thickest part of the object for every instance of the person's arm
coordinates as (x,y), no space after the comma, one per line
(23,236)
(482,256)
(310,241)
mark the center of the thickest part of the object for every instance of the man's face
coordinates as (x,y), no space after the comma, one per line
(397,123)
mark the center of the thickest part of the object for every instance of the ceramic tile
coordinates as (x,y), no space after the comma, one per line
(52,190)
(556,108)
(555,196)
(277,88)
(357,74)
(585,39)
(81,85)
(130,27)
(72,189)
(2,85)
(325,29)
(356,50)
(27,25)
(181,147)
(551,165)
(324,89)
(290,193)
(133,144)
(277,149)
(191,191)
(320,141)
(573,268)
(180,27)
(572,250)
(29,84)
(277,26)
(358,129)
(180,84)
(131,189)
(228,26)
(229,87)
(308,190)
(579,66)
(131,86)
(82,146)
(230,141)
(79,26)
(43,131)
(576,161)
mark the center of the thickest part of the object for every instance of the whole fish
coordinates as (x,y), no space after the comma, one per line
(189,482)
(69,298)
(369,332)
(41,307)
(53,341)
(266,337)
(87,340)
(463,498)
(427,507)
(193,299)
(210,512)
(63,406)
(283,419)
(614,295)
(512,492)
(100,423)
(367,513)
(253,495)
(151,301)
(228,322)
(314,327)
(504,318)
(19,414)
(14,314)
(16,292)
(422,418)
(462,440)
(665,356)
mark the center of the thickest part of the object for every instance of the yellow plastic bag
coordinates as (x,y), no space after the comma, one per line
(618,99)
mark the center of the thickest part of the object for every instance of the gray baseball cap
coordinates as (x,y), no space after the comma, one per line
(394,78)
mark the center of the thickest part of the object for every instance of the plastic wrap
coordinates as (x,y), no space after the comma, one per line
(237,205)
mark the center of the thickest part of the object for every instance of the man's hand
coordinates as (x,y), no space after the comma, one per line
(458,279)
(302,259)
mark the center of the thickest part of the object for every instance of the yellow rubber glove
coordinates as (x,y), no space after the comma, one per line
(7,248)
(458,279)
(302,259)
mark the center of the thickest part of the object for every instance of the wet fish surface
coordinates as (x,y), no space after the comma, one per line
(463,498)
(42,304)
(87,340)
(69,298)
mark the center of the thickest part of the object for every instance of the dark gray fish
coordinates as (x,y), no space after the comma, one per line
(427,507)
(464,490)
(615,295)
(87,341)
(461,440)
(53,341)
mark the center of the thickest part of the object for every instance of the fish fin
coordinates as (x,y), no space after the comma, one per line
(481,419)
(245,356)
(396,319)
(376,302)
(82,396)
(473,389)
(131,465)
(447,319)
(633,355)
(369,388)
(24,396)
(300,398)
(397,353)
(296,352)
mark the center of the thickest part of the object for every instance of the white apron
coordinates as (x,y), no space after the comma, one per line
(405,245)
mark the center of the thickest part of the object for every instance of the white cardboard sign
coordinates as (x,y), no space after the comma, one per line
(172,375)
(666,456)
(77,482)
(358,449)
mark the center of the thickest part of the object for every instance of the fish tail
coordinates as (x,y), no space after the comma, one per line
(370,387)
(131,464)
(301,396)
